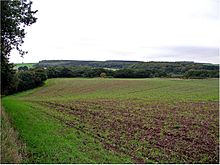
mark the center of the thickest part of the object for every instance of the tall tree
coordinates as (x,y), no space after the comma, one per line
(15,16)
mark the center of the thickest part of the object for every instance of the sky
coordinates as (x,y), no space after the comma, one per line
(140,30)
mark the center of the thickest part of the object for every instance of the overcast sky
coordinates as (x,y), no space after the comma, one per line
(143,30)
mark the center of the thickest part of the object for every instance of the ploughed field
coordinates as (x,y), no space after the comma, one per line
(72,120)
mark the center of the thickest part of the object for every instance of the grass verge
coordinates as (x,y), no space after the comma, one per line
(12,148)
(49,141)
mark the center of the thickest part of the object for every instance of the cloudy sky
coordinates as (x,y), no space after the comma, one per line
(143,30)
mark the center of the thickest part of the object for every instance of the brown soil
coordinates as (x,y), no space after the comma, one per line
(169,133)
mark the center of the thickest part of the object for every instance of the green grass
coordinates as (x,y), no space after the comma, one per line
(12,148)
(29,65)
(139,89)
(76,120)
(49,141)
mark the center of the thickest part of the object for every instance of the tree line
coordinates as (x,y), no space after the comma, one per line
(171,69)
(25,78)
(65,71)
(90,72)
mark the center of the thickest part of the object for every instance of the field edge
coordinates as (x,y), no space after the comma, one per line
(12,148)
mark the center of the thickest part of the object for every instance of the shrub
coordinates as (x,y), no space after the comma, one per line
(103,75)
(30,79)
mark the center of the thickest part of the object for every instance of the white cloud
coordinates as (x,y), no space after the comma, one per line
(120,29)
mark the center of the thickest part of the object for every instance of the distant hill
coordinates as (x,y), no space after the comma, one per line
(117,64)
(171,69)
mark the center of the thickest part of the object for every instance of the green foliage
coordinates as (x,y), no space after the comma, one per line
(64,71)
(15,15)
(130,69)
(30,79)
(98,64)
(138,73)
(202,74)
(175,69)
(22,68)
(8,78)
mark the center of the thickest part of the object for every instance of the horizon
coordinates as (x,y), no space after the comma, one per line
(122,61)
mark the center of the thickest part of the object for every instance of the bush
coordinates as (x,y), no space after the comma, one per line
(133,73)
(103,75)
(202,74)
(22,68)
(30,79)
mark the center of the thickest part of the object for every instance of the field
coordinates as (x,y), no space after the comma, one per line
(73,120)
(29,65)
